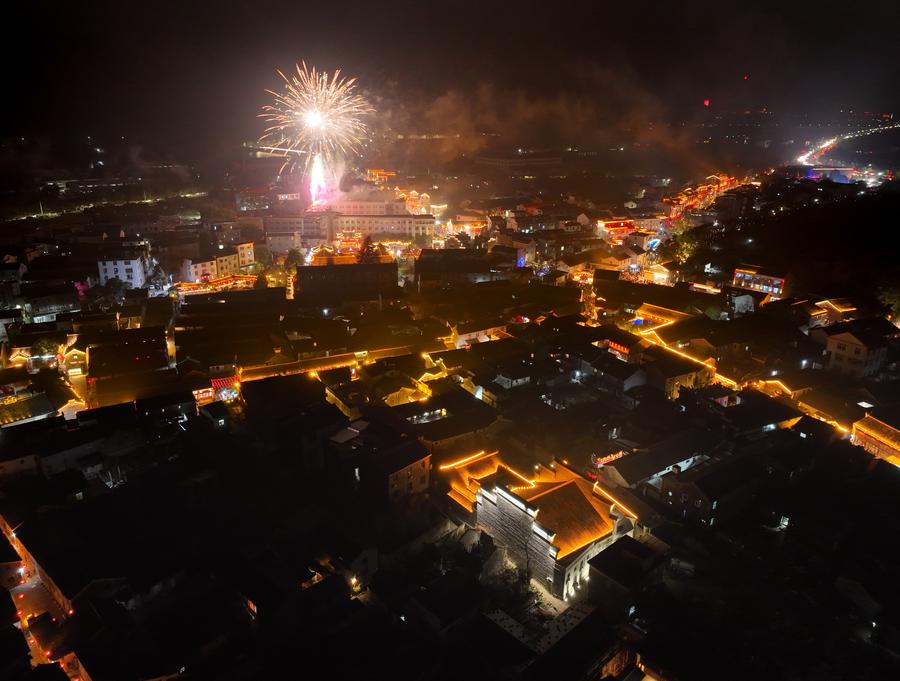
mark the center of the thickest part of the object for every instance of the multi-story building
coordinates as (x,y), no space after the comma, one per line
(651,223)
(225,262)
(615,230)
(246,254)
(878,432)
(416,203)
(228,262)
(227,232)
(857,348)
(373,204)
(394,224)
(552,522)
(362,216)
(296,232)
(755,278)
(130,266)
(198,270)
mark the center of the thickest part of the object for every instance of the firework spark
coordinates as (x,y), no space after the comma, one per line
(317,115)
(316,180)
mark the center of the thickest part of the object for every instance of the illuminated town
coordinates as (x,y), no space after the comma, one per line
(342,360)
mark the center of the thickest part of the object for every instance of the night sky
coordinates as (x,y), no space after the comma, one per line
(193,73)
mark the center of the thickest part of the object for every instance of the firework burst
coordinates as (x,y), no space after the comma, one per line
(316,115)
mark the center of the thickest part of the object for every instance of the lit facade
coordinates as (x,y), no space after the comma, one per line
(376,206)
(551,523)
(198,270)
(130,268)
(379,175)
(33,567)
(614,231)
(246,254)
(416,203)
(402,224)
(225,263)
(878,437)
(754,280)
(228,263)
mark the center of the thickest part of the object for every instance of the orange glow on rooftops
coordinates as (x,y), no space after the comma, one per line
(603,492)
(463,461)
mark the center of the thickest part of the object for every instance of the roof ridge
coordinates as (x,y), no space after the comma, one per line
(555,487)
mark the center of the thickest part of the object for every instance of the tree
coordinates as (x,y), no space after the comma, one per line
(261,281)
(293,258)
(369,252)
(681,225)
(889,296)
(481,240)
(679,248)
(110,293)
(115,290)
(45,346)
(158,278)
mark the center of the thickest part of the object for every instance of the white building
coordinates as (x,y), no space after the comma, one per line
(197,270)
(280,243)
(372,205)
(299,232)
(246,254)
(400,225)
(228,262)
(131,267)
(315,229)
(225,262)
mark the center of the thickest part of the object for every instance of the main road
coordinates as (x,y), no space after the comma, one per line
(812,156)
(346,359)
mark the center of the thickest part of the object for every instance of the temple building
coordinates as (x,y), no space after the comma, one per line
(552,522)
